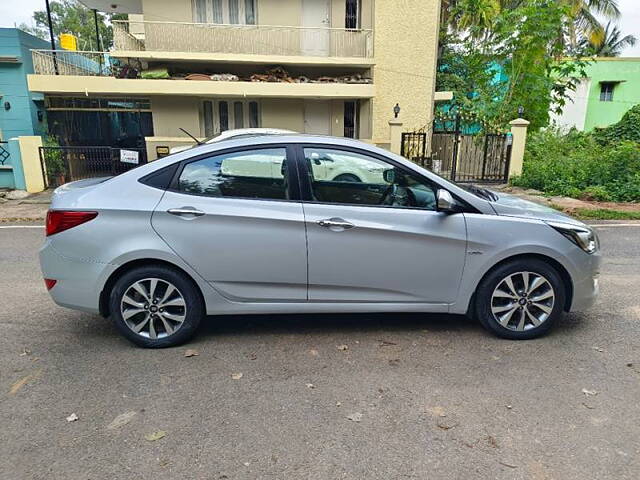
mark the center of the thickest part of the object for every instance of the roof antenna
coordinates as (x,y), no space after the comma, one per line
(194,138)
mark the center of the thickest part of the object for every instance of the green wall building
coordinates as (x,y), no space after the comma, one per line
(611,87)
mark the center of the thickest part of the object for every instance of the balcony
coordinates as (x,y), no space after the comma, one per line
(96,73)
(276,44)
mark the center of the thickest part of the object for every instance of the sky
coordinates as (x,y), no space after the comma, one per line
(14,12)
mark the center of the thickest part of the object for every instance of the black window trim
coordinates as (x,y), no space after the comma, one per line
(305,185)
(294,180)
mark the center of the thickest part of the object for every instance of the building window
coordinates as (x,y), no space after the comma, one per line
(208,119)
(254,115)
(606,91)
(238,115)
(351,113)
(223,111)
(352,14)
(220,115)
(234,12)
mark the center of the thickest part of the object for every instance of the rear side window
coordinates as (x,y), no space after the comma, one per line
(260,174)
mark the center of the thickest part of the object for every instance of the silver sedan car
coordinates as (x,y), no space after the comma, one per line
(255,225)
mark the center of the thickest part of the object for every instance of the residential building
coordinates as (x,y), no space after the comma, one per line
(21,111)
(610,87)
(208,65)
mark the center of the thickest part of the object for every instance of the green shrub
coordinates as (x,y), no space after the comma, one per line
(577,165)
(628,128)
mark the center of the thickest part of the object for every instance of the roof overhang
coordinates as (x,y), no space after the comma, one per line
(114,6)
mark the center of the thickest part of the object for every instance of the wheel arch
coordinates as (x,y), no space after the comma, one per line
(130,265)
(562,271)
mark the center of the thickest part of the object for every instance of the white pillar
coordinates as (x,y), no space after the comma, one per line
(519,139)
(395,134)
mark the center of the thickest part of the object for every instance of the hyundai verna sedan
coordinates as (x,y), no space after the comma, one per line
(253,226)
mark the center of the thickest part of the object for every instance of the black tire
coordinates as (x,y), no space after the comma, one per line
(484,294)
(347,177)
(186,288)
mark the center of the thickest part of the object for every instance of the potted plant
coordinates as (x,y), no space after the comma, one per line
(54,163)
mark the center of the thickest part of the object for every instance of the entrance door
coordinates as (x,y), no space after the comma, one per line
(316,117)
(315,35)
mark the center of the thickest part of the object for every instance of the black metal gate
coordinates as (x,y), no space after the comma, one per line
(67,164)
(414,147)
(462,157)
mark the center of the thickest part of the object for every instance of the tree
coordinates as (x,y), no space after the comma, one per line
(496,66)
(612,45)
(478,16)
(69,16)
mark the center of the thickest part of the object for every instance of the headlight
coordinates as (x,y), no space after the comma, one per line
(583,237)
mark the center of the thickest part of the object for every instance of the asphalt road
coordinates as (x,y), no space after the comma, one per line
(436,397)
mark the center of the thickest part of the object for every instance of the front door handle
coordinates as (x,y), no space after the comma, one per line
(185,211)
(335,223)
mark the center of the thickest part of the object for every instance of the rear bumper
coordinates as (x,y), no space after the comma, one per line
(77,279)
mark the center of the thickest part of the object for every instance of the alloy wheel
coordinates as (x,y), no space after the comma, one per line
(522,301)
(153,308)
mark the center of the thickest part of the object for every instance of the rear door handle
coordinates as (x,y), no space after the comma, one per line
(185,211)
(335,223)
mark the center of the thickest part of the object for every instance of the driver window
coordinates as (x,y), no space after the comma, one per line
(338,176)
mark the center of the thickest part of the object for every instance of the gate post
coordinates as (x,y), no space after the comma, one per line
(395,131)
(519,135)
(25,159)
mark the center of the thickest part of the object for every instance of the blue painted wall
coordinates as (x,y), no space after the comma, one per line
(22,118)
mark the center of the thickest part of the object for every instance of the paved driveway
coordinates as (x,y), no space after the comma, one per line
(320,397)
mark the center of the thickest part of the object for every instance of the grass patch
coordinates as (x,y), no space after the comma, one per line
(604,214)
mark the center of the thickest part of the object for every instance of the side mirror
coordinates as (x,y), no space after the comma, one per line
(389,175)
(446,203)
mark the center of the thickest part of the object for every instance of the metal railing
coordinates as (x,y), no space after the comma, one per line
(65,62)
(242,39)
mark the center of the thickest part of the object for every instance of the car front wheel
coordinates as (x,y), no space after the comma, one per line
(521,299)
(156,306)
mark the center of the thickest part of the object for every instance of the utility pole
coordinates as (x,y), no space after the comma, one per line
(53,39)
(98,49)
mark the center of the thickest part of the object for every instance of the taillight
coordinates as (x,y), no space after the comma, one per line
(49,283)
(61,220)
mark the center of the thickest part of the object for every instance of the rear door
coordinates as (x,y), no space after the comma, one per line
(238,225)
(379,239)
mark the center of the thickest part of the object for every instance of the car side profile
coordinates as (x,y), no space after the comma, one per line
(255,225)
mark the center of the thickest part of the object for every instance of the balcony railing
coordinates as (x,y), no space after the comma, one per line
(242,39)
(65,62)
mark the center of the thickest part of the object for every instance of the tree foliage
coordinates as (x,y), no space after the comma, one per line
(509,60)
(612,45)
(70,16)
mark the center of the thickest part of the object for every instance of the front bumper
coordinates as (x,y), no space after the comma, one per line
(585,281)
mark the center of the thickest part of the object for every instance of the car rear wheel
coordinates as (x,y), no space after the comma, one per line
(521,299)
(156,306)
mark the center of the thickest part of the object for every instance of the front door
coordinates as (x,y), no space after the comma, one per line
(376,236)
(317,117)
(315,22)
(231,218)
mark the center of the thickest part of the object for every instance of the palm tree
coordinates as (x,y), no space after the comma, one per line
(612,44)
(462,15)
(585,23)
